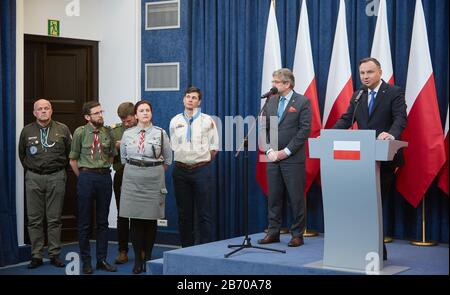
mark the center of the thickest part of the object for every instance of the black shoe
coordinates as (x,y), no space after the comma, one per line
(35,262)
(268,239)
(103,264)
(137,269)
(56,261)
(87,268)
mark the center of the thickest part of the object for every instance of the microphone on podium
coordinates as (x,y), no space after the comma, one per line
(356,101)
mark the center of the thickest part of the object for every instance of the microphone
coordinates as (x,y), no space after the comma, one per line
(271,92)
(361,91)
(356,101)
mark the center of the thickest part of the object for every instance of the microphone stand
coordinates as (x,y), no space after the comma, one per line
(244,146)
(354,111)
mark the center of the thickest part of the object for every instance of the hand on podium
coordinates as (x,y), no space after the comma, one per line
(385,136)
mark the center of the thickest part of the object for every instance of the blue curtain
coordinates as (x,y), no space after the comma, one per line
(8,226)
(225,61)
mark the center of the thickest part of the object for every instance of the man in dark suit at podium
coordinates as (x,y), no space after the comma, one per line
(382,108)
(286,166)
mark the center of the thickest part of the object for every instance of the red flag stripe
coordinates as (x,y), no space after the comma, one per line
(346,155)
(312,166)
(425,153)
(341,104)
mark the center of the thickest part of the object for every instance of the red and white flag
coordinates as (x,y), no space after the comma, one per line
(271,63)
(381,48)
(339,84)
(443,175)
(425,153)
(347,150)
(305,84)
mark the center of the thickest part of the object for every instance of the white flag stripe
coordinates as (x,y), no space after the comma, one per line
(340,71)
(419,59)
(346,145)
(272,52)
(303,67)
(381,48)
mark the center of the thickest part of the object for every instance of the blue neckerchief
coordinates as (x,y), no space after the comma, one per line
(189,122)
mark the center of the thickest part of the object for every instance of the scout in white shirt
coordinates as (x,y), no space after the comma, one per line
(195,142)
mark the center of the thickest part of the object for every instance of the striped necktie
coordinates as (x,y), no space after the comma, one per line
(141,142)
(96,143)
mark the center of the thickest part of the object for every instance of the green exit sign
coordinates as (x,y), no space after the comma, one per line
(53,27)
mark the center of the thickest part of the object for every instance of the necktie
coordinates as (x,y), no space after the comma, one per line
(141,142)
(281,107)
(95,143)
(372,101)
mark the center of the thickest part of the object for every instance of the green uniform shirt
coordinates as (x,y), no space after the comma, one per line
(83,137)
(44,149)
(117,132)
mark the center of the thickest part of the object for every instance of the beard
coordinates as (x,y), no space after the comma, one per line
(97,123)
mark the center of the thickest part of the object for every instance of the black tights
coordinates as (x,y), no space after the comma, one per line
(143,233)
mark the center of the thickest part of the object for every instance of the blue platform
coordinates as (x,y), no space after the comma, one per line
(208,259)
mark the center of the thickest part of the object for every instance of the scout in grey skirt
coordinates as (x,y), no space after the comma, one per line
(143,192)
(145,150)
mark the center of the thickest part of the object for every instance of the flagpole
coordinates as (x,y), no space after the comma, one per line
(308,233)
(423,242)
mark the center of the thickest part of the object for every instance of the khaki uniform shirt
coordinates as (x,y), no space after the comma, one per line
(83,138)
(193,145)
(44,149)
(117,131)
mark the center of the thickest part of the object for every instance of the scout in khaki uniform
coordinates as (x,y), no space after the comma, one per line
(91,155)
(125,111)
(44,147)
(195,142)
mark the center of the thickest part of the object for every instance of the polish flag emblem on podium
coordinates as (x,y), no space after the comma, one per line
(346,150)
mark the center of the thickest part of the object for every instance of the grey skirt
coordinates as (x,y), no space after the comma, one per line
(143,192)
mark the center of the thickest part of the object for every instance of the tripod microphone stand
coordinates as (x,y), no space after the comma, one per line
(246,243)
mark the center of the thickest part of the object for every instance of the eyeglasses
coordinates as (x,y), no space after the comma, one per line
(97,113)
(277,81)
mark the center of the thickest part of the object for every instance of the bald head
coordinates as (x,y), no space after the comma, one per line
(42,111)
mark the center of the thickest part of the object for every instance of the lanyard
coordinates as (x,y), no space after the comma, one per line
(44,138)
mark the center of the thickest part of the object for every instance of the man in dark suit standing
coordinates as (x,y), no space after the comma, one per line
(286,165)
(381,108)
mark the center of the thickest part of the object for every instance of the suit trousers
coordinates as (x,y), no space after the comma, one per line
(286,179)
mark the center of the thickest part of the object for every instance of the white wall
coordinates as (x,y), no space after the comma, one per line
(116,25)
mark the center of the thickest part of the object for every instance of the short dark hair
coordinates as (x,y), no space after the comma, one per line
(144,101)
(372,59)
(194,89)
(87,106)
(125,109)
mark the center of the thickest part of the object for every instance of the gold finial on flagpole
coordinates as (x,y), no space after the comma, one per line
(308,233)
(423,242)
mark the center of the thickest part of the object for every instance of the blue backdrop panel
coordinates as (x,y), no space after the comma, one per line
(8,225)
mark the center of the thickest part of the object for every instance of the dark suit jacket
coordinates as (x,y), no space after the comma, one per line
(293,128)
(388,115)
